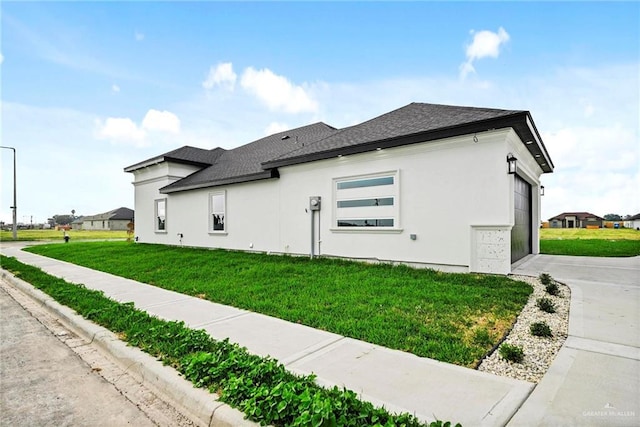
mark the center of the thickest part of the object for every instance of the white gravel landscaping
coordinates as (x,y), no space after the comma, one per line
(539,352)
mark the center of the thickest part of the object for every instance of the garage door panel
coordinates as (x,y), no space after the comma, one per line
(521,232)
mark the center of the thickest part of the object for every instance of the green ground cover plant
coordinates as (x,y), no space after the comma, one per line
(455,318)
(38,235)
(601,242)
(545,304)
(511,353)
(261,387)
(552,289)
(540,329)
(550,286)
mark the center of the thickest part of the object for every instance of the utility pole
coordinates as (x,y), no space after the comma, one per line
(15,205)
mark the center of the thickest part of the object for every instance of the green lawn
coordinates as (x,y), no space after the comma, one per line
(260,387)
(603,242)
(32,235)
(454,318)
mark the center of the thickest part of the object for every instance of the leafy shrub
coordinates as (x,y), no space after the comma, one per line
(552,289)
(511,353)
(546,305)
(545,278)
(540,329)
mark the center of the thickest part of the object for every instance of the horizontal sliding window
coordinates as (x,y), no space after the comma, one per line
(384,201)
(366,201)
(385,222)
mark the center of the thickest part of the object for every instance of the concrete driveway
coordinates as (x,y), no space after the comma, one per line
(595,379)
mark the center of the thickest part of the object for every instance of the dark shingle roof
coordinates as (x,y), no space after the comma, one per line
(414,123)
(634,217)
(418,122)
(120,213)
(412,119)
(189,155)
(244,163)
(578,215)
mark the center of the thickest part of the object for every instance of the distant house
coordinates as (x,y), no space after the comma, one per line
(633,222)
(426,184)
(116,219)
(576,220)
(77,223)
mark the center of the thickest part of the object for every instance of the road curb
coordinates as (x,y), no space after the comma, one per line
(198,404)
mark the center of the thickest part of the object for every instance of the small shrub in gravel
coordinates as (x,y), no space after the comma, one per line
(552,289)
(545,279)
(546,305)
(540,329)
(511,353)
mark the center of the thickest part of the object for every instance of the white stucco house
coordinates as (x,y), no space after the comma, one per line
(425,184)
(633,222)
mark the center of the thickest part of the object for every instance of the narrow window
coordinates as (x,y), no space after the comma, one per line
(161,215)
(217,212)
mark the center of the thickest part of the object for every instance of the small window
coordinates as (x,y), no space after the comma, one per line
(217,212)
(370,182)
(385,222)
(161,215)
(384,201)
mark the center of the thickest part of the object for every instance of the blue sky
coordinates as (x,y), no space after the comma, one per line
(91,87)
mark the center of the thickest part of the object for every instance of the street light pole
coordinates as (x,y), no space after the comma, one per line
(15,206)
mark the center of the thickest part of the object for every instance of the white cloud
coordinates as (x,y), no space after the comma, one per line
(125,130)
(121,129)
(115,88)
(162,121)
(277,92)
(221,75)
(485,44)
(138,36)
(276,127)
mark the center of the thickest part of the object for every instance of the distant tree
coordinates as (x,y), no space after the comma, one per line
(62,219)
(612,217)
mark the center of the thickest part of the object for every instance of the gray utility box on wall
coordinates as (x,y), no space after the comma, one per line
(314,203)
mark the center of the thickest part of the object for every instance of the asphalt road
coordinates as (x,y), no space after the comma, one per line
(44,382)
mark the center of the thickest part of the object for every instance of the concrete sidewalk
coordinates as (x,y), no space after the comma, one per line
(595,378)
(401,382)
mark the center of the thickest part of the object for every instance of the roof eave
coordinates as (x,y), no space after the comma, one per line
(161,159)
(519,121)
(267,174)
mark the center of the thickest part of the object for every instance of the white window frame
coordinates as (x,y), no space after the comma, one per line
(213,212)
(367,213)
(156,227)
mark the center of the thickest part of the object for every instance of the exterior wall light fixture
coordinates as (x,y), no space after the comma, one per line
(542,190)
(511,162)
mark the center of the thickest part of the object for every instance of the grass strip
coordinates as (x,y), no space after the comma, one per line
(261,387)
(38,235)
(591,247)
(454,318)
